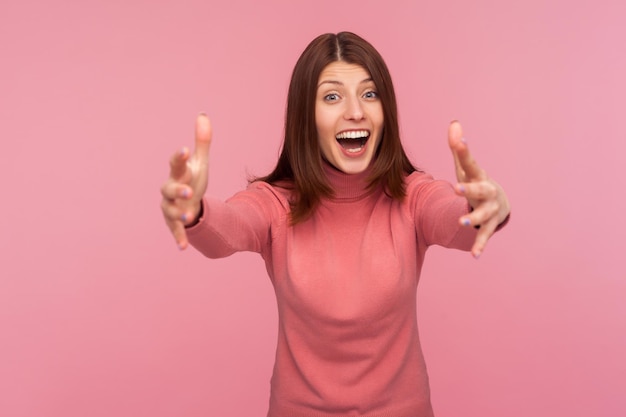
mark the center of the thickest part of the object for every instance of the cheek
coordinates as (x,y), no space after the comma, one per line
(322,121)
(380,116)
(324,144)
(325,128)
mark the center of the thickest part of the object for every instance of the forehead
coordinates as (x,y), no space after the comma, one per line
(343,72)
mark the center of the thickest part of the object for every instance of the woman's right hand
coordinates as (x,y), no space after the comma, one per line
(187,183)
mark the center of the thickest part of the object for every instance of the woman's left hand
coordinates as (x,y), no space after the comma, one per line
(490,206)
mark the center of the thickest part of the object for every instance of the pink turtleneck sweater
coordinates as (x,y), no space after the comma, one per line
(345,282)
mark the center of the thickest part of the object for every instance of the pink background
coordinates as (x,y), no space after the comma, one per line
(101,315)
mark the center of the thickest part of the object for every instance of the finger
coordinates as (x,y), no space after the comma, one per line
(178,164)
(175,213)
(180,236)
(172,190)
(455,136)
(204,134)
(176,226)
(484,233)
(464,160)
(481,215)
(481,190)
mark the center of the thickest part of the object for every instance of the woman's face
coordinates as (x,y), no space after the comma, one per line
(348,116)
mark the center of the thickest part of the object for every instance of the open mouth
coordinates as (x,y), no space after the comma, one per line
(353,141)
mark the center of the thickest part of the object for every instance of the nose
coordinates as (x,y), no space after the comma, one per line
(354,109)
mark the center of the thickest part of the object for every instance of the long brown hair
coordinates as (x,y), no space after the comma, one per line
(300,161)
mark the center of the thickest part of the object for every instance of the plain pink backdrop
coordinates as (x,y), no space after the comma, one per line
(101,315)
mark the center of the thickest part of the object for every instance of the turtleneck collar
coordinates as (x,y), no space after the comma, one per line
(347,187)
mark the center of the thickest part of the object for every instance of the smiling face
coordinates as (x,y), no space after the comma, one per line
(348,116)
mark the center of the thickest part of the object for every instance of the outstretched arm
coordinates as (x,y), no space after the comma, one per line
(490,206)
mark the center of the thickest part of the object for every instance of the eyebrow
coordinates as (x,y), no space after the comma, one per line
(334,82)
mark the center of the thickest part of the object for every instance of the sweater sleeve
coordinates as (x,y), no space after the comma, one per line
(437,209)
(244,222)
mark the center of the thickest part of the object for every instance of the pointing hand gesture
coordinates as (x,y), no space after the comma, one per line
(489,203)
(187,183)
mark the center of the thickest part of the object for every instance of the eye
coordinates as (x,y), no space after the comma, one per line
(331,97)
(371,94)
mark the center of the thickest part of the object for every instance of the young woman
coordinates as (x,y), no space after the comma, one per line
(343,223)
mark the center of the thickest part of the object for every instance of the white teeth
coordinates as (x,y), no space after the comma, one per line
(353,134)
(355,150)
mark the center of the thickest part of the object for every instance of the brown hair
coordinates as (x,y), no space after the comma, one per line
(300,161)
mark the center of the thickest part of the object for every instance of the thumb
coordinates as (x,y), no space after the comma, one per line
(204,134)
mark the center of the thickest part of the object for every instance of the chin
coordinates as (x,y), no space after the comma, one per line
(353,167)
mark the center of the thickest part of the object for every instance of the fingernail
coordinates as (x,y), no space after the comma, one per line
(185,193)
(184,217)
(476,255)
(181,246)
(463,140)
(466,222)
(461,188)
(183,151)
